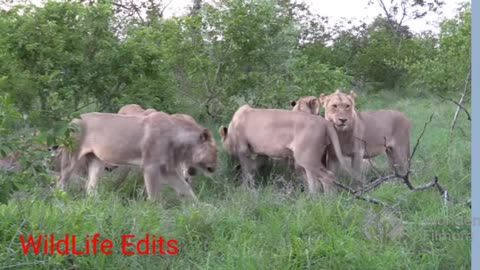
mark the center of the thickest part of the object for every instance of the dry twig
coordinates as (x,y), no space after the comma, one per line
(420,137)
(459,105)
(465,89)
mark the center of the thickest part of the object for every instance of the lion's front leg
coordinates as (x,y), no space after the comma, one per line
(151,175)
(157,177)
(177,181)
(95,167)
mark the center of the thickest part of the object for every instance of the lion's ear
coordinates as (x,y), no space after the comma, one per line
(323,99)
(293,103)
(223,132)
(353,94)
(352,97)
(205,135)
(314,104)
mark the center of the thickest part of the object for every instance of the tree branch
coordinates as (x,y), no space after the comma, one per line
(465,88)
(419,138)
(458,105)
(164,8)
(354,193)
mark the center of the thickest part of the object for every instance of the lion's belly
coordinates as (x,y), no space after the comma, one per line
(116,159)
(119,156)
(371,149)
(272,145)
(273,151)
(117,148)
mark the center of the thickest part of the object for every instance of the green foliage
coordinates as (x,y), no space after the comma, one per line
(30,167)
(56,55)
(68,57)
(446,70)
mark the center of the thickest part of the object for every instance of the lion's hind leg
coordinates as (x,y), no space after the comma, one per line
(248,166)
(68,165)
(95,168)
(316,174)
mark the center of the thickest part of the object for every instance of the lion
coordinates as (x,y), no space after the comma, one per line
(81,169)
(308,104)
(157,143)
(312,105)
(135,109)
(285,135)
(370,133)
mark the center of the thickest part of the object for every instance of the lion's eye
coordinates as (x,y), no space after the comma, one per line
(334,105)
(348,106)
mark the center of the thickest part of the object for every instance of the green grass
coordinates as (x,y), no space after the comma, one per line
(231,228)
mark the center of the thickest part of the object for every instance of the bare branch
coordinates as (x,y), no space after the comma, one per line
(404,12)
(372,200)
(120,5)
(460,106)
(137,10)
(378,182)
(420,137)
(465,89)
(347,188)
(390,18)
(384,7)
(164,8)
(354,193)
(435,183)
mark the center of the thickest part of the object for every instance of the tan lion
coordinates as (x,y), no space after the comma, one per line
(285,135)
(81,169)
(135,109)
(157,143)
(312,105)
(308,104)
(370,133)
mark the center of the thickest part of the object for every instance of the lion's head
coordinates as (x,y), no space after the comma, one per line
(204,154)
(308,104)
(340,109)
(149,111)
(131,109)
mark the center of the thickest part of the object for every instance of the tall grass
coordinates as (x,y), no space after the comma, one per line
(274,227)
